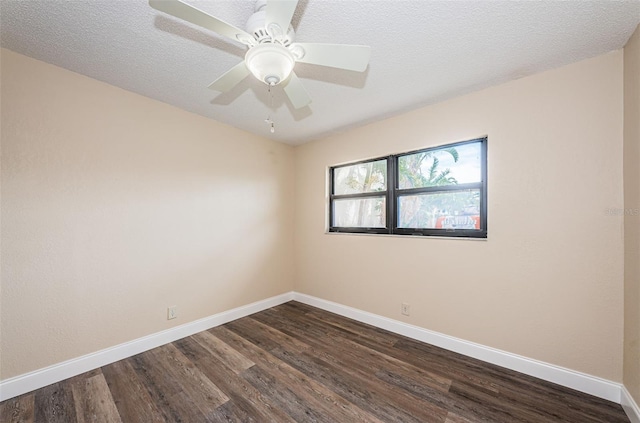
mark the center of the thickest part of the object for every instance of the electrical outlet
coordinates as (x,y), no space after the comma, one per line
(405,309)
(172,312)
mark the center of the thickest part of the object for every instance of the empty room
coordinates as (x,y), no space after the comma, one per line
(320,211)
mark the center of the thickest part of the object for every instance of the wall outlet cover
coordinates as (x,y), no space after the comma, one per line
(172,312)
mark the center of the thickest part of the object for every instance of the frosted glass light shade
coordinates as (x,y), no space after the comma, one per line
(270,63)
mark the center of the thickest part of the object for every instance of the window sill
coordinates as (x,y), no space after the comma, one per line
(456,238)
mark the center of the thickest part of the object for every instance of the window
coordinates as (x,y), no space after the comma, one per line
(438,191)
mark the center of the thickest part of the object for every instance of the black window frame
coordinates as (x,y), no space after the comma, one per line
(393,193)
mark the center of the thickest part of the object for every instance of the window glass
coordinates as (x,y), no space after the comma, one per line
(459,164)
(360,178)
(441,210)
(439,191)
(360,213)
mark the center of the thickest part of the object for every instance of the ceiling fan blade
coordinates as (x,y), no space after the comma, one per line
(341,56)
(280,12)
(296,92)
(189,13)
(231,78)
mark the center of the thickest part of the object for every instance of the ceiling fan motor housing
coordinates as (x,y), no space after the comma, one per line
(256,26)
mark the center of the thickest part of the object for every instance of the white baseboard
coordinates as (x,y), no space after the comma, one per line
(630,406)
(28,382)
(592,385)
(572,379)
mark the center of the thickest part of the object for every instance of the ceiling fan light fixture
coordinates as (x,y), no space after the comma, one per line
(270,63)
(272,53)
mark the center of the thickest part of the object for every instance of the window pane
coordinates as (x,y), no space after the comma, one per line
(443,210)
(447,166)
(359,178)
(360,213)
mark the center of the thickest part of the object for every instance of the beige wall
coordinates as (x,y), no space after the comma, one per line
(632,219)
(548,281)
(115,206)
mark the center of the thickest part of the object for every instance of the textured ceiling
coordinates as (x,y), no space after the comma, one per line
(422,52)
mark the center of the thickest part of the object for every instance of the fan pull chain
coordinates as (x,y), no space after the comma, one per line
(268,119)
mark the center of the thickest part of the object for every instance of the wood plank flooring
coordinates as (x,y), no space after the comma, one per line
(296,363)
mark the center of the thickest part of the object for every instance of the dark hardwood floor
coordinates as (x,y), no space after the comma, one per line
(295,363)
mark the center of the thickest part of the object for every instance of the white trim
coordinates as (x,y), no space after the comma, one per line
(630,406)
(28,382)
(602,388)
(572,379)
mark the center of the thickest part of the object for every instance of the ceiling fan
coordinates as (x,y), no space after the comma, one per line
(271,53)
